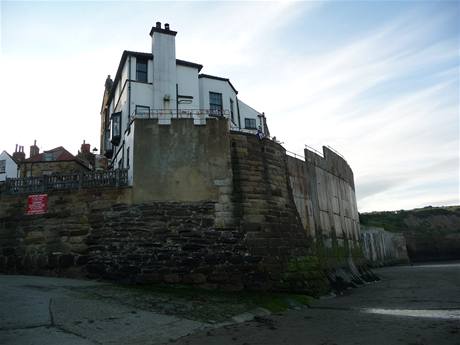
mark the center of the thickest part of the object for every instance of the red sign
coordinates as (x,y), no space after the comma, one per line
(37,204)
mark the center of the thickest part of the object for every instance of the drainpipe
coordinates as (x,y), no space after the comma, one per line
(177,100)
(238,110)
(129,88)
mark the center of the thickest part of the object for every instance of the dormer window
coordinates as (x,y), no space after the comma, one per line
(141,70)
(116,128)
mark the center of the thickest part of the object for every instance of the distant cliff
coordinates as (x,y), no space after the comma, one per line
(432,233)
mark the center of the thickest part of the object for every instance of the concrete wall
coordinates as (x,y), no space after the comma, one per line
(323,191)
(382,248)
(181,161)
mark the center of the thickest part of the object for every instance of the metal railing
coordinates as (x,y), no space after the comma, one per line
(295,155)
(46,183)
(177,114)
(336,152)
(309,148)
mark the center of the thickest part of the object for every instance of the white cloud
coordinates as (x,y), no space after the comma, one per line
(387,98)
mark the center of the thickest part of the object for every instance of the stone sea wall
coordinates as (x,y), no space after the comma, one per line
(259,219)
(324,194)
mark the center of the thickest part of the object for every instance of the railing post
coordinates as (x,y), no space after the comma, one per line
(80,180)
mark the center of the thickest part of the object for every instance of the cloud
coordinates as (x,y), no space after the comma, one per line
(384,93)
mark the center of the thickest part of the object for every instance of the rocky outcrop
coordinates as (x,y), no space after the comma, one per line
(382,248)
(431,233)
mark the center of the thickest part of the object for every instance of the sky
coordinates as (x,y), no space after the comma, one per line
(378,81)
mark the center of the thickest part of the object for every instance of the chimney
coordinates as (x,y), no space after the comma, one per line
(164,67)
(85,148)
(108,83)
(34,150)
(19,154)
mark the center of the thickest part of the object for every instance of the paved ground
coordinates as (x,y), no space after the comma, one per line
(56,311)
(414,305)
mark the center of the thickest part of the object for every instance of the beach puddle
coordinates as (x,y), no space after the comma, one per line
(452,314)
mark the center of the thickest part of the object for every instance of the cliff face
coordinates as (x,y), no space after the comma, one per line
(432,233)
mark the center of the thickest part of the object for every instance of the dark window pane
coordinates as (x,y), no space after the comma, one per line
(250,123)
(215,103)
(141,70)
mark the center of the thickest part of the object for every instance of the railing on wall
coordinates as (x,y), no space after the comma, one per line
(295,155)
(46,183)
(177,114)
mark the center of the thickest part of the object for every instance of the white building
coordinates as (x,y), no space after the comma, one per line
(8,166)
(157,85)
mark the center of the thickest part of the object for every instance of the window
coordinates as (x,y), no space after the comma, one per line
(250,123)
(142,111)
(2,166)
(127,158)
(48,156)
(215,103)
(231,110)
(141,70)
(116,128)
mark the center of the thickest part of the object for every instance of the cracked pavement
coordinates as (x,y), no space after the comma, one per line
(43,310)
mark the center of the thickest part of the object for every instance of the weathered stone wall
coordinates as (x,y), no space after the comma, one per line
(265,212)
(207,207)
(181,161)
(323,190)
(381,248)
(55,242)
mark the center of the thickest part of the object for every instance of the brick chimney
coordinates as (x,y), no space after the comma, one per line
(164,66)
(85,148)
(19,154)
(34,150)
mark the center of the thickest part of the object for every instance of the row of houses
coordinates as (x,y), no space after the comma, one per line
(49,162)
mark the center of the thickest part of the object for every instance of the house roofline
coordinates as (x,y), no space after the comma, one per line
(208,76)
(149,56)
(14,160)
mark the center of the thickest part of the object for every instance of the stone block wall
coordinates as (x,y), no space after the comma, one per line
(266,213)
(250,221)
(323,190)
(53,243)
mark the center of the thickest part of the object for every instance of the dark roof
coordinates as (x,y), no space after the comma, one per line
(218,78)
(149,56)
(60,154)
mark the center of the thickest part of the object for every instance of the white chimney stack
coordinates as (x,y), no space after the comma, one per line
(164,66)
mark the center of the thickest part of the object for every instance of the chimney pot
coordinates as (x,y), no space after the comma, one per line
(167,26)
(158,25)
